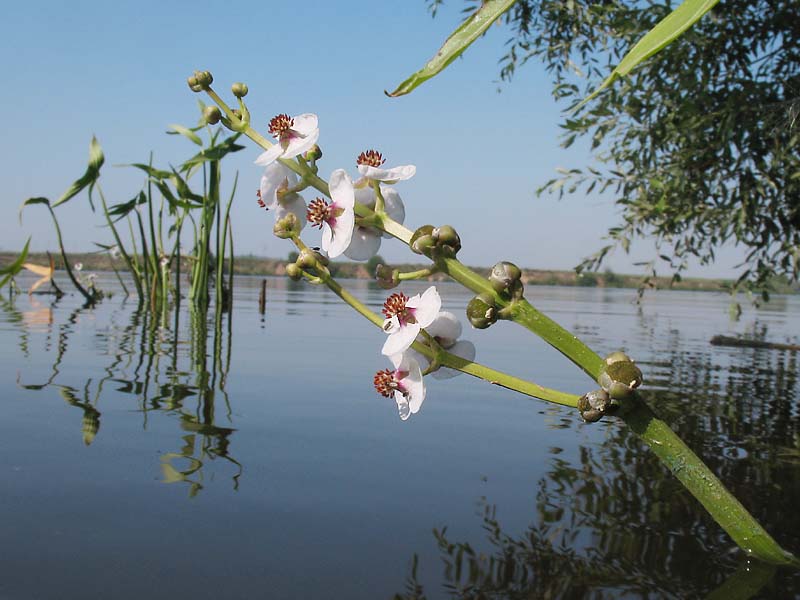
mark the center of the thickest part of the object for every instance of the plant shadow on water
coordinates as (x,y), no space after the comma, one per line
(145,364)
(615,525)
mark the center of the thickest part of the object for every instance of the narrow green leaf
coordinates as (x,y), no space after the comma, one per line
(469,31)
(665,31)
(30,201)
(215,153)
(96,160)
(15,267)
(185,132)
(151,171)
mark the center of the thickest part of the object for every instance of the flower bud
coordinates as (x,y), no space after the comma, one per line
(294,272)
(447,239)
(386,276)
(422,242)
(201,80)
(594,405)
(314,154)
(237,113)
(211,115)
(239,89)
(287,226)
(621,376)
(481,311)
(505,277)
(307,259)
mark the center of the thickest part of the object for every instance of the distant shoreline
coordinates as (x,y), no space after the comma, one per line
(260,266)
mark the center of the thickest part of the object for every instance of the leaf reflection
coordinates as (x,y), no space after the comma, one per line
(169,372)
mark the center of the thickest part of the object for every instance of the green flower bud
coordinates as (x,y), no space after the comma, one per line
(481,311)
(294,272)
(193,84)
(314,154)
(212,115)
(594,405)
(239,89)
(505,278)
(621,376)
(386,276)
(307,259)
(422,242)
(447,240)
(287,226)
(201,80)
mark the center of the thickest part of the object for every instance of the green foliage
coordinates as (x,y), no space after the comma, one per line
(667,31)
(8,272)
(470,30)
(700,145)
(89,178)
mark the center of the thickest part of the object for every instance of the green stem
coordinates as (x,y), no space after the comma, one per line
(89,297)
(122,250)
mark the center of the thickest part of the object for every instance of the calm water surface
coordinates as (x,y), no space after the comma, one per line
(145,457)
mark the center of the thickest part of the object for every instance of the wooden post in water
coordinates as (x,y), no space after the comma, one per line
(262,297)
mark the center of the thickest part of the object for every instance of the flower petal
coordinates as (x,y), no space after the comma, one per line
(463,348)
(341,188)
(426,307)
(446,328)
(274,178)
(306,123)
(301,144)
(364,244)
(269,156)
(292,203)
(398,341)
(394,204)
(365,196)
(394,174)
(341,233)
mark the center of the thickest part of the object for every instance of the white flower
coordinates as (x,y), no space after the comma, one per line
(446,329)
(406,316)
(273,193)
(367,240)
(294,135)
(336,219)
(114,252)
(404,383)
(78,266)
(370,163)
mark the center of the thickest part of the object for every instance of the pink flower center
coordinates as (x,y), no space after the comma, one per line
(387,382)
(395,306)
(371,158)
(319,212)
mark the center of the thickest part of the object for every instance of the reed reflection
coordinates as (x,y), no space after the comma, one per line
(169,368)
(614,523)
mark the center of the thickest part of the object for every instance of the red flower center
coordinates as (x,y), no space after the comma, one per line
(280,126)
(395,306)
(371,158)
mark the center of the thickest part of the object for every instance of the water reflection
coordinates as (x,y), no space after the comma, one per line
(173,369)
(614,523)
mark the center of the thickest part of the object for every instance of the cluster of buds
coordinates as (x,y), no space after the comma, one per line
(595,405)
(436,242)
(620,377)
(387,277)
(200,81)
(482,311)
(308,261)
(506,280)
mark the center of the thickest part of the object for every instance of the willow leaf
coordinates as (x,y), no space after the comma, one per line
(666,31)
(469,31)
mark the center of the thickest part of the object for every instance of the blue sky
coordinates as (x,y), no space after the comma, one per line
(118,71)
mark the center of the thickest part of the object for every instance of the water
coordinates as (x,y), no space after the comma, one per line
(258,461)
